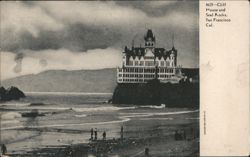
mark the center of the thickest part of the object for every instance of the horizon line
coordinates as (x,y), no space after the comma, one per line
(71,93)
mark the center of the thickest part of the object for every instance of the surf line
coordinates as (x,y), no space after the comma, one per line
(62,125)
(123,119)
(134,115)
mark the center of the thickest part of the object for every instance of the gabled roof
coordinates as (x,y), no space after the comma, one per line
(140,51)
(135,51)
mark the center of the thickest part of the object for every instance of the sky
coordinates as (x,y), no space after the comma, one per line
(39,36)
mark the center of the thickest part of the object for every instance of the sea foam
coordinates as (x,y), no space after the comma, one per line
(11,115)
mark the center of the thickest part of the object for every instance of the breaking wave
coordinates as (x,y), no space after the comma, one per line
(109,108)
(155,106)
(80,115)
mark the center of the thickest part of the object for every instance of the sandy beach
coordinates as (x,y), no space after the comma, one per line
(63,130)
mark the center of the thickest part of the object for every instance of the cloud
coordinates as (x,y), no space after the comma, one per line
(54,16)
(75,38)
(17,17)
(89,25)
(64,59)
(62,34)
(93,13)
(159,4)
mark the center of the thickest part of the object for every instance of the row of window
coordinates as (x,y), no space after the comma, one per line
(137,75)
(165,76)
(130,80)
(166,70)
(141,70)
(149,44)
(149,63)
(143,76)
(134,80)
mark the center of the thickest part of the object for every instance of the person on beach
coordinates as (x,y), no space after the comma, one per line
(104,135)
(192,133)
(146,152)
(176,135)
(184,135)
(4,149)
(95,134)
(121,132)
(92,133)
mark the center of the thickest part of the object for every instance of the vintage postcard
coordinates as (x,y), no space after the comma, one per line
(124,78)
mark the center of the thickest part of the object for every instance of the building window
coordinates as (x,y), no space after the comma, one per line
(162,63)
(149,63)
(157,63)
(141,63)
(130,62)
(136,63)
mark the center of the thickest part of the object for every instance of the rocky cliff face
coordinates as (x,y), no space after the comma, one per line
(12,93)
(184,94)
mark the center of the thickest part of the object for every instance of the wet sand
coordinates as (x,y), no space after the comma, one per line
(156,133)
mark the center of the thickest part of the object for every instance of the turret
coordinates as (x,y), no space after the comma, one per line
(174,54)
(149,39)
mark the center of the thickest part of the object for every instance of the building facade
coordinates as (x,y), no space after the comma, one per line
(141,64)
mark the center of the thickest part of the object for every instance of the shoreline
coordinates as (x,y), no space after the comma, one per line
(63,134)
(157,146)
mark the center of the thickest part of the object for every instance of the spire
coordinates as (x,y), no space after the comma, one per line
(133,43)
(173,48)
(173,40)
(149,35)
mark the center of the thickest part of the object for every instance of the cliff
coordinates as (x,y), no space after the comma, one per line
(184,94)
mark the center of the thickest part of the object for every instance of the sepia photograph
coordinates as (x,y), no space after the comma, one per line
(99,78)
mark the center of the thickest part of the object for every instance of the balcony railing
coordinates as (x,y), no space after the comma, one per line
(143,75)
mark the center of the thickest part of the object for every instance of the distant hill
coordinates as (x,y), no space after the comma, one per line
(93,81)
(103,81)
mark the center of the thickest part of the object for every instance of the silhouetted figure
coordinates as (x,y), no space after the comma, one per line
(192,133)
(95,134)
(184,135)
(146,152)
(176,135)
(122,133)
(197,134)
(104,135)
(179,135)
(4,149)
(92,133)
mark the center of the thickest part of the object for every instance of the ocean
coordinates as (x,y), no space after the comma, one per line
(67,118)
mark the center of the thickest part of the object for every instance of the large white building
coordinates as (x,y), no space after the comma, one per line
(141,64)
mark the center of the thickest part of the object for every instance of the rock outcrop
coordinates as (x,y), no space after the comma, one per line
(12,93)
(183,94)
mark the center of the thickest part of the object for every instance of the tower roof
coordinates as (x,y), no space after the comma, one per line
(149,35)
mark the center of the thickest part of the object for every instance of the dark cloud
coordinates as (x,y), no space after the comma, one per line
(81,38)
(161,8)
(70,27)
(18,59)
(75,37)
